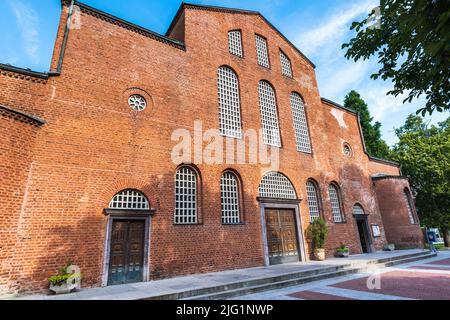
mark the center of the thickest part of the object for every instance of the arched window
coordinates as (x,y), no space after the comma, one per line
(129,200)
(235,43)
(336,205)
(286,68)
(276,185)
(229,103)
(410,207)
(229,192)
(300,123)
(186,196)
(358,210)
(262,51)
(313,200)
(269,117)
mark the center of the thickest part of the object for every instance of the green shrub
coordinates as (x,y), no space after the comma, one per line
(343,249)
(318,232)
(62,277)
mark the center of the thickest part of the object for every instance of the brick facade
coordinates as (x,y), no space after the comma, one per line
(57,178)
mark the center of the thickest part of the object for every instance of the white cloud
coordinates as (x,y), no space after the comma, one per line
(333,29)
(27,20)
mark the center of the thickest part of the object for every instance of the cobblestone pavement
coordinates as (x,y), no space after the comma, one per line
(421,280)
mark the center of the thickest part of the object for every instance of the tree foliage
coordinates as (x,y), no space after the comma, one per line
(375,146)
(424,153)
(411,39)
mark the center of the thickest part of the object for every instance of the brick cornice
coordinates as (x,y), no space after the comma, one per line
(23,74)
(21,116)
(376,178)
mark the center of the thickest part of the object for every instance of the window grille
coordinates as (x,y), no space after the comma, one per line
(335,204)
(235,43)
(276,185)
(269,117)
(358,210)
(229,103)
(300,124)
(313,201)
(137,102)
(229,190)
(129,200)
(286,68)
(262,52)
(185,196)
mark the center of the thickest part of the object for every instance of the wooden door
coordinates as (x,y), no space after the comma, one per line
(282,236)
(126,252)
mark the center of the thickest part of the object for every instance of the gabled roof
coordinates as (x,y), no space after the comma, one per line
(185,5)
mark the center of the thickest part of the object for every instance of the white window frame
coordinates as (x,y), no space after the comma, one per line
(235,43)
(262,51)
(277,186)
(129,200)
(336,203)
(300,121)
(269,114)
(230,198)
(313,200)
(186,194)
(229,103)
(286,65)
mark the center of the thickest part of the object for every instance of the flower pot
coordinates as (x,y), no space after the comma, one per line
(389,247)
(61,289)
(343,254)
(319,254)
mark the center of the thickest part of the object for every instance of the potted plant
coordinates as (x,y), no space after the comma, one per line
(343,251)
(389,247)
(318,232)
(67,280)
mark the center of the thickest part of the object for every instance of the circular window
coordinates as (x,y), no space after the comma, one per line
(347,150)
(137,102)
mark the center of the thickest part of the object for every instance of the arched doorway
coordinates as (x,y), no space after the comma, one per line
(363,228)
(280,220)
(127,241)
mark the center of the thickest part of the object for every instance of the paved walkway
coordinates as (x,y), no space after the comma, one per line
(420,280)
(174,285)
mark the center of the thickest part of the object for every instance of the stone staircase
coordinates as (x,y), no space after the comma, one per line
(245,287)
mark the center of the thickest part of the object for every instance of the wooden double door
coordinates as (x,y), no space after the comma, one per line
(126,260)
(282,236)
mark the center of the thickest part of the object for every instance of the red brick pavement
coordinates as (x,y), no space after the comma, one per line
(424,286)
(310,295)
(445,262)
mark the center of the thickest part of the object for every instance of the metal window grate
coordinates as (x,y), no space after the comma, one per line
(129,200)
(262,52)
(286,68)
(229,190)
(137,102)
(300,123)
(229,103)
(269,117)
(335,204)
(409,207)
(276,185)
(235,43)
(313,201)
(358,210)
(185,196)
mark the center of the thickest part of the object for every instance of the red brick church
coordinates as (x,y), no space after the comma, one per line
(88,173)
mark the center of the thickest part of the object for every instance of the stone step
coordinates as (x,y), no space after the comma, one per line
(280,280)
(302,280)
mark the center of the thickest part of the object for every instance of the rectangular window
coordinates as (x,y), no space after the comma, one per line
(235,43)
(262,52)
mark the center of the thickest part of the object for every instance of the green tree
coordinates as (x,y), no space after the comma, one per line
(424,153)
(411,39)
(375,146)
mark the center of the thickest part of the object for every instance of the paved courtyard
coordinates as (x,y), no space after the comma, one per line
(421,280)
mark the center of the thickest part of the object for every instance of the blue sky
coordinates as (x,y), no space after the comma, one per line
(318,28)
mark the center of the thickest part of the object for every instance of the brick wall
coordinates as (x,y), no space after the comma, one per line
(94,146)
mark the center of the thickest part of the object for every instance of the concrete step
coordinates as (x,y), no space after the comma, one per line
(348,269)
(239,288)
